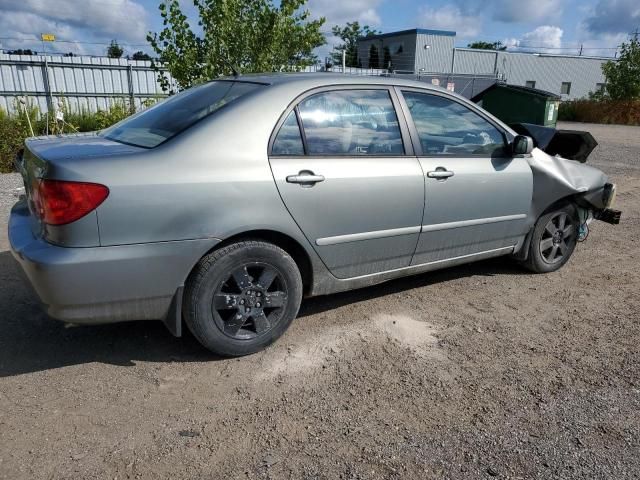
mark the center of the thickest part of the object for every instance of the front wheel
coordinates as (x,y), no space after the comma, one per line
(242,297)
(554,239)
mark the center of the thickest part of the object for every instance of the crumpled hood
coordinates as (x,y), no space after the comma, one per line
(555,178)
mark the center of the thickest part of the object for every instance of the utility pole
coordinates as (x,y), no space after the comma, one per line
(344,60)
(580,54)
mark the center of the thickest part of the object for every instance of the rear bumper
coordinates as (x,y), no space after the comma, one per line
(103,284)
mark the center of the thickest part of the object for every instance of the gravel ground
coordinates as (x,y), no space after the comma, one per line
(481,371)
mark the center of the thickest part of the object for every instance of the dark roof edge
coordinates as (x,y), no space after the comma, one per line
(416,31)
(520,88)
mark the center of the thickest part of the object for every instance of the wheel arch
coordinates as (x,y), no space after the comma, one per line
(173,319)
(282,240)
(523,253)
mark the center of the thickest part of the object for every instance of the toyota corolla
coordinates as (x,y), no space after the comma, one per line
(223,206)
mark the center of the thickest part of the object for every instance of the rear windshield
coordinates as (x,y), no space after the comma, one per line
(168,118)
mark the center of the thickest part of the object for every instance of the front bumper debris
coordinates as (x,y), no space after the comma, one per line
(608,215)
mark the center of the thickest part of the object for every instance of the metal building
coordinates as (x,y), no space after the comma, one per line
(423,52)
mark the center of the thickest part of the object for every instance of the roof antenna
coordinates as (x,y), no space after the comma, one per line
(234,68)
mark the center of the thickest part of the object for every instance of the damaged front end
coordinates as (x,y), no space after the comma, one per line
(570,144)
(560,175)
(557,175)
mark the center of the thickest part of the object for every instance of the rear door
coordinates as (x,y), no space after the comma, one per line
(344,166)
(477,195)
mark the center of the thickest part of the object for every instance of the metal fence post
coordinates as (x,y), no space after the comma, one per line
(132,104)
(47,85)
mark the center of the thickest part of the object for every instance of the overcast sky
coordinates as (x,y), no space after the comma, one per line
(552,24)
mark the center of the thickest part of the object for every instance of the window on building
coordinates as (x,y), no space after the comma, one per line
(351,122)
(565,88)
(288,141)
(600,87)
(447,128)
(530,84)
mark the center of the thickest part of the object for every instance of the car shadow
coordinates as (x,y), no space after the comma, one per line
(31,342)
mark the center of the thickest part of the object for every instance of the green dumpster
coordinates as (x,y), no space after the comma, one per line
(517,104)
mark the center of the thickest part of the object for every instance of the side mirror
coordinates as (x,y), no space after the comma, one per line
(522,145)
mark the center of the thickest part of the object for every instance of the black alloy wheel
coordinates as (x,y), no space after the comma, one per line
(250,301)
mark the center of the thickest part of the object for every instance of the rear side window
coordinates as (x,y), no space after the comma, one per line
(168,118)
(351,122)
(288,141)
(447,128)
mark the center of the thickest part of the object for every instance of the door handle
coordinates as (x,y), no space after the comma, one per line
(305,178)
(440,173)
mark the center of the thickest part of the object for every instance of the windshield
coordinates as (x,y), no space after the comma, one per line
(168,118)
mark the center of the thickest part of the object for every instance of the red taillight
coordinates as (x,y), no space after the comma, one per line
(60,202)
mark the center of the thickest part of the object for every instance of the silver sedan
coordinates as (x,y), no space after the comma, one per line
(222,206)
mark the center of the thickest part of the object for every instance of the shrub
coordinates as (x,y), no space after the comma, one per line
(12,135)
(621,112)
(14,128)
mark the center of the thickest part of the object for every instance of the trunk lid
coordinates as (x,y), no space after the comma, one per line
(45,157)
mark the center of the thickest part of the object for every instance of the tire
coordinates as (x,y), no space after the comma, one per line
(243,297)
(554,239)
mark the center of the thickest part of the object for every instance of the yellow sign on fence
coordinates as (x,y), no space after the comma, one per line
(48,37)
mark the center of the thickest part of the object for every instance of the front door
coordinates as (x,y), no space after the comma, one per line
(348,181)
(477,195)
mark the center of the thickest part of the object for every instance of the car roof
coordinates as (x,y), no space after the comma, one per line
(312,80)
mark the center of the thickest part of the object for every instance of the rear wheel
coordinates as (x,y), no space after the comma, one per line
(242,297)
(554,240)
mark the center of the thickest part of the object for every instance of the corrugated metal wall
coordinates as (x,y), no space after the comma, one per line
(550,71)
(434,53)
(81,82)
(479,62)
(547,71)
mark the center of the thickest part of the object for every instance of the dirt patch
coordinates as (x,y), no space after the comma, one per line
(488,372)
(303,359)
(417,336)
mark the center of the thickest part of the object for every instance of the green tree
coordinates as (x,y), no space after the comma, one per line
(349,34)
(246,36)
(623,75)
(20,51)
(374,57)
(140,55)
(114,50)
(487,46)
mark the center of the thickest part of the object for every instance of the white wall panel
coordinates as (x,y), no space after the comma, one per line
(84,82)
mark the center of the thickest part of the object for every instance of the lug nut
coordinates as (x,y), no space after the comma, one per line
(247,310)
(258,304)
(242,302)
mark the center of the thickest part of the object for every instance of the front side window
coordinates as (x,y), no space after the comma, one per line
(446,127)
(168,118)
(351,122)
(288,141)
